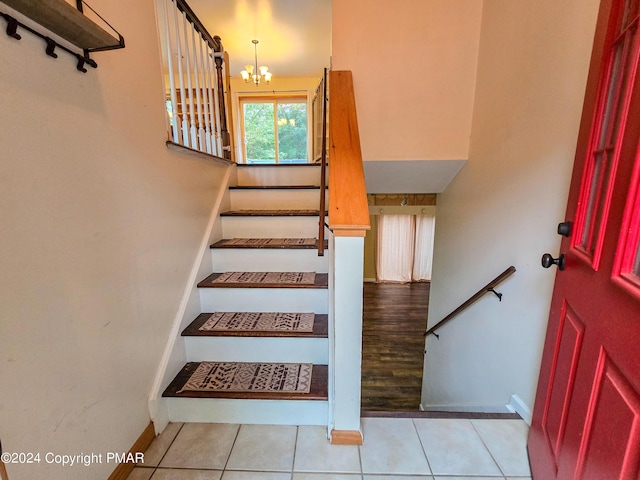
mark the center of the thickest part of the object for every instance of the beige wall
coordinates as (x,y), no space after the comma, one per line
(414,68)
(503,208)
(370,250)
(100,226)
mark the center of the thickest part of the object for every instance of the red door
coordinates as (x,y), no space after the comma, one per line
(586,421)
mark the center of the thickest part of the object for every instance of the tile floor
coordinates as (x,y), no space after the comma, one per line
(394,449)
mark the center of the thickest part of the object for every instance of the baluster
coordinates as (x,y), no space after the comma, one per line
(215,112)
(174,107)
(196,76)
(183,99)
(222,115)
(205,96)
(212,107)
(189,65)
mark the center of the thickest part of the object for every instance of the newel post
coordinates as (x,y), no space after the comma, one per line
(346,287)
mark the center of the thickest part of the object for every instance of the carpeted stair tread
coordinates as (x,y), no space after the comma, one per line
(318,390)
(281,243)
(321,281)
(320,330)
(270,213)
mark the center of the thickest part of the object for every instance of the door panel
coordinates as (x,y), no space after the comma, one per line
(612,428)
(586,420)
(562,380)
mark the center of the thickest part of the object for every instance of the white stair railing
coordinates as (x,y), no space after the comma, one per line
(193,77)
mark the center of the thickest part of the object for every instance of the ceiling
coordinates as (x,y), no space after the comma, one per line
(294,35)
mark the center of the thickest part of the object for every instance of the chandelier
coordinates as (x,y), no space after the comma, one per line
(255,73)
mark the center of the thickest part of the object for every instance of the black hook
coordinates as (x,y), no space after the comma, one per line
(498,294)
(80,65)
(12,27)
(51,46)
(435,335)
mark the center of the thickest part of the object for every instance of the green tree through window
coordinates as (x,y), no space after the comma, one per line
(275,123)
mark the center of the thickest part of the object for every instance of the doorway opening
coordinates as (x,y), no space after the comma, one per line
(398,256)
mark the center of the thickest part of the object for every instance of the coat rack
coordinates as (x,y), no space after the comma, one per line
(67,22)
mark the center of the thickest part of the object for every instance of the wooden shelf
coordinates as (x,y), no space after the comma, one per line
(66,21)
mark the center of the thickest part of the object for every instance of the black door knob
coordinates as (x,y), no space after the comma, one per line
(548,260)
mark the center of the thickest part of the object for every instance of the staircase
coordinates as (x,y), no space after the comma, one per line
(271,226)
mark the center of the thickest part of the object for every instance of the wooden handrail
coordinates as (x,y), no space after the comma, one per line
(323,168)
(214,42)
(487,288)
(348,209)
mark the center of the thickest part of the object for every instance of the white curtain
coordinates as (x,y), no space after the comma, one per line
(404,248)
(394,261)
(423,248)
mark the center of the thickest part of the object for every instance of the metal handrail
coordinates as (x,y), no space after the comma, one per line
(323,168)
(489,287)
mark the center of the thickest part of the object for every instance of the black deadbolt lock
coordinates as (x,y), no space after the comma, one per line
(564,229)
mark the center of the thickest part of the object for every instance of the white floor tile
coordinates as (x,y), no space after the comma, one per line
(453,447)
(201,445)
(267,448)
(255,476)
(467,478)
(326,476)
(399,477)
(161,444)
(186,474)
(507,442)
(314,453)
(391,445)
(139,473)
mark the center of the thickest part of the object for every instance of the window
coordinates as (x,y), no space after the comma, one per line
(601,165)
(274,130)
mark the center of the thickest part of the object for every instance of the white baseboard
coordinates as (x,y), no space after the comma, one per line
(515,405)
(465,408)
(518,406)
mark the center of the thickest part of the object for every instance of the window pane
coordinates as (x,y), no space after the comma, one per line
(610,105)
(636,265)
(292,133)
(259,135)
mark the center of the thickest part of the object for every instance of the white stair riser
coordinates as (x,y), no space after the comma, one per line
(268,260)
(292,199)
(254,412)
(278,176)
(270,227)
(264,300)
(257,349)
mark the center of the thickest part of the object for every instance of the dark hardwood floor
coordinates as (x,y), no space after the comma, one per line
(395,317)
